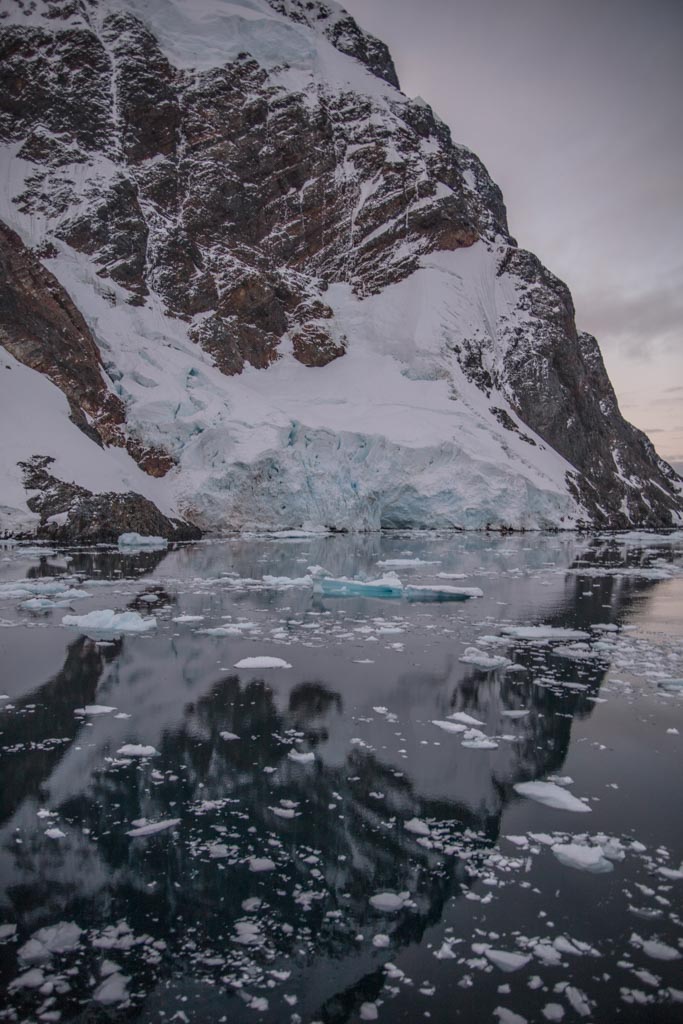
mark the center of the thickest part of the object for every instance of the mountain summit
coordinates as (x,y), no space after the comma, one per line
(248,283)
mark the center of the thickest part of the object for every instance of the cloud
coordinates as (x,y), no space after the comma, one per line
(638,324)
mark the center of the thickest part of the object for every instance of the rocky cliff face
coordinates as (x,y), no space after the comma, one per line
(251,262)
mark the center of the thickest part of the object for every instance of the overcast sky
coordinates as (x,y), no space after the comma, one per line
(576,108)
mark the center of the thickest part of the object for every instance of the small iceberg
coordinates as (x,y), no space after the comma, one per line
(137,750)
(151,828)
(106,620)
(488,662)
(551,795)
(386,586)
(441,593)
(544,633)
(262,662)
(139,540)
(585,858)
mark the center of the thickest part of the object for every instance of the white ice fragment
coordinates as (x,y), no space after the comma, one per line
(107,621)
(585,858)
(461,716)
(112,990)
(261,864)
(553,1011)
(188,618)
(473,656)
(506,1016)
(7,932)
(368,1011)
(506,961)
(417,827)
(225,735)
(550,795)
(94,709)
(302,757)
(381,941)
(389,902)
(454,727)
(544,633)
(154,827)
(138,540)
(55,833)
(262,662)
(57,938)
(137,750)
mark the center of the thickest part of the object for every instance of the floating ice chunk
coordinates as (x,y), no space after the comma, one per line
(579,652)
(368,1011)
(30,979)
(417,827)
(261,864)
(453,727)
(506,1016)
(262,662)
(248,933)
(386,586)
(652,947)
(578,1001)
(55,833)
(515,714)
(585,858)
(507,962)
(443,593)
(302,757)
(462,716)
(287,582)
(228,735)
(94,709)
(283,812)
(56,938)
(473,656)
(389,902)
(139,540)
(7,932)
(188,618)
(106,621)
(445,952)
(550,795)
(452,575)
(476,740)
(154,827)
(381,941)
(137,750)
(544,633)
(112,990)
(553,1011)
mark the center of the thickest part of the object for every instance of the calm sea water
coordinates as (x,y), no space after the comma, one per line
(394,873)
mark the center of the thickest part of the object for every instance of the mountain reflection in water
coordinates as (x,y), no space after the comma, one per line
(262,889)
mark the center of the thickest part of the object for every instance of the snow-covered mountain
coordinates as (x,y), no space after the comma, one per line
(246,282)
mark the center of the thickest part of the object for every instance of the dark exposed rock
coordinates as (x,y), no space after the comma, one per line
(90,518)
(42,328)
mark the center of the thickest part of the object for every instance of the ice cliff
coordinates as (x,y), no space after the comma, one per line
(247,283)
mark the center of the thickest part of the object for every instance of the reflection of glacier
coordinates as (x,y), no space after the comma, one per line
(346,839)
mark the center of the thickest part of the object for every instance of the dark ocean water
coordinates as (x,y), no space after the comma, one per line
(375,878)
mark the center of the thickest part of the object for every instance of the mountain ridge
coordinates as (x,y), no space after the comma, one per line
(300,299)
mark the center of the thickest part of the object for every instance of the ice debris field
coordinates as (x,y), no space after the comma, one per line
(427,759)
